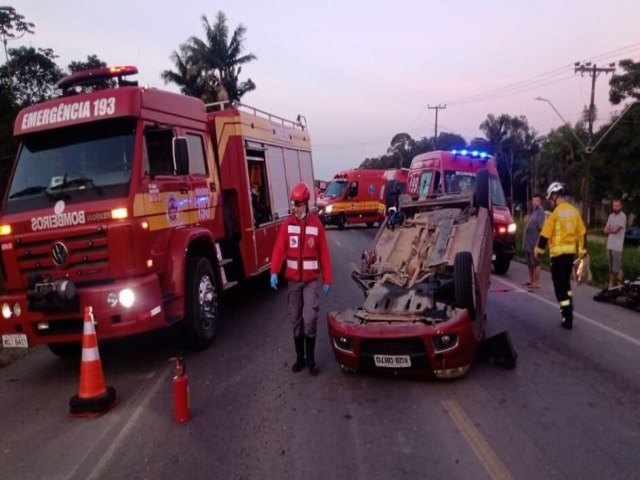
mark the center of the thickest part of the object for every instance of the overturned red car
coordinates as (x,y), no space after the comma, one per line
(425,282)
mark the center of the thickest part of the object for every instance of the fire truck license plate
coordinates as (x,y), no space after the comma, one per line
(15,340)
(392,361)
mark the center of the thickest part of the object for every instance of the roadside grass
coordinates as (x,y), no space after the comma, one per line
(596,246)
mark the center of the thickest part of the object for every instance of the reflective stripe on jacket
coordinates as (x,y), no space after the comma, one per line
(303,244)
(564,228)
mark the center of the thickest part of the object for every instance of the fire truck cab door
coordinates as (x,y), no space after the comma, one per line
(166,190)
(200,188)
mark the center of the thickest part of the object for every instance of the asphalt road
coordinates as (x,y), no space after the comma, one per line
(570,409)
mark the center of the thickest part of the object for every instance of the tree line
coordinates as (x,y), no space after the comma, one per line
(528,162)
(210,68)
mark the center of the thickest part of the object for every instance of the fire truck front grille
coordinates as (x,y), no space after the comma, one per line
(61,327)
(76,252)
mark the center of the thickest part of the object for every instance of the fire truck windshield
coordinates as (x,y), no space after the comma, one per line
(335,189)
(79,163)
(459,181)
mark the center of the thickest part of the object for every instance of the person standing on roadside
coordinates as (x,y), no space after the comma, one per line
(615,228)
(562,230)
(530,240)
(302,242)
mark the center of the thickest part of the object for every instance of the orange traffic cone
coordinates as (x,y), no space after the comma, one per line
(94,397)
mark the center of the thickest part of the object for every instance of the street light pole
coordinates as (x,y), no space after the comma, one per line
(541,99)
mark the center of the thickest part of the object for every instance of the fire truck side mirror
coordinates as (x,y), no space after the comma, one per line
(180,155)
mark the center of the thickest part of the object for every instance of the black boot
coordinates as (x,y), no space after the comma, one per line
(310,343)
(299,364)
(567,317)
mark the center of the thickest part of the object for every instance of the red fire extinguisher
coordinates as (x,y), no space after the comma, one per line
(181,391)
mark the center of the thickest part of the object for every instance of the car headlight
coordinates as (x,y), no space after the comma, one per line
(6,310)
(329,208)
(512,228)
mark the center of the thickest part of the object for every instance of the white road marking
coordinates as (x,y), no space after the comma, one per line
(131,423)
(575,314)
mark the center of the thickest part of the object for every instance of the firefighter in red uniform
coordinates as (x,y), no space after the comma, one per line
(303,244)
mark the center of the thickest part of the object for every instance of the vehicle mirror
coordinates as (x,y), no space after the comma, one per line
(180,156)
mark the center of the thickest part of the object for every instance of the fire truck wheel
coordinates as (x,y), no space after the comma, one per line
(501,264)
(464,282)
(341,221)
(201,299)
(66,350)
(370,224)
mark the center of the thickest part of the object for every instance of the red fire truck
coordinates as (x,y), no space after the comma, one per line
(143,204)
(442,172)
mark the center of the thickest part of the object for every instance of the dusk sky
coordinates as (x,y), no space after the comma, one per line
(362,71)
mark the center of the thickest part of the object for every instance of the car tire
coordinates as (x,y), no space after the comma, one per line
(201,304)
(370,224)
(66,350)
(341,221)
(464,282)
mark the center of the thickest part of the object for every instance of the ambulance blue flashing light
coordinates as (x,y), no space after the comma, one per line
(471,153)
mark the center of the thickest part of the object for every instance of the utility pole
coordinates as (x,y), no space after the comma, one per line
(593,70)
(436,108)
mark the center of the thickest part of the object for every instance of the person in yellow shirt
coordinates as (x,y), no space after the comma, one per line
(565,234)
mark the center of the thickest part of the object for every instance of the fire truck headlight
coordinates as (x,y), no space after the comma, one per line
(17,310)
(512,228)
(6,310)
(5,230)
(126,297)
(329,208)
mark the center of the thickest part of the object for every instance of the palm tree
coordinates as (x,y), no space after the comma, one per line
(223,56)
(190,76)
(210,68)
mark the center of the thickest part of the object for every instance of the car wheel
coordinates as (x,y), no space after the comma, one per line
(201,309)
(66,350)
(501,264)
(464,282)
(341,221)
(370,224)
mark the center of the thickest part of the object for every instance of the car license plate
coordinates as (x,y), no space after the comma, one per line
(15,340)
(392,361)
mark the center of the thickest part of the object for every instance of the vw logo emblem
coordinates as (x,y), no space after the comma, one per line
(59,254)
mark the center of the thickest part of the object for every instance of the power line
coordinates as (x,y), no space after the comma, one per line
(538,80)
